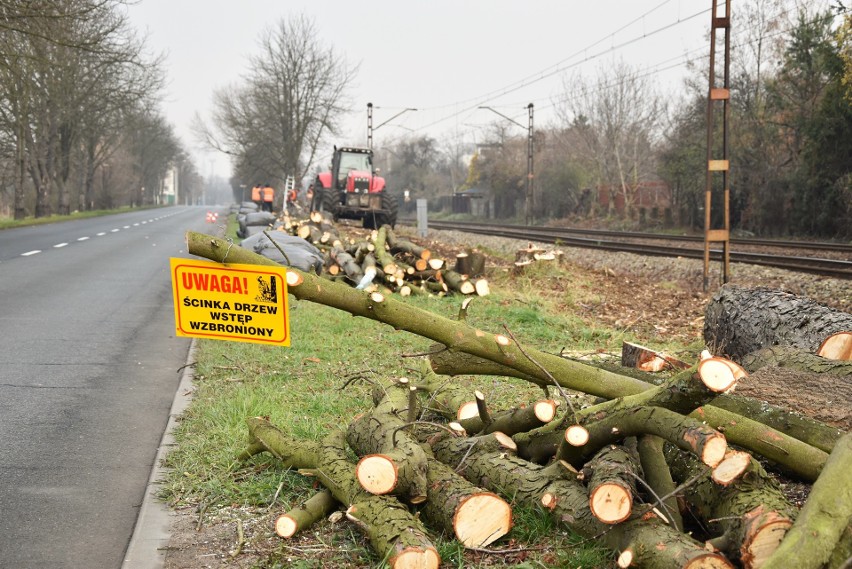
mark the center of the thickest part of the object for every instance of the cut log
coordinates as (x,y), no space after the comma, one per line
(688,434)
(750,516)
(732,467)
(392,461)
(611,480)
(475,516)
(458,283)
(470,263)
(824,518)
(393,531)
(345,261)
(646,359)
(312,510)
(400,245)
(739,321)
(837,347)
(568,503)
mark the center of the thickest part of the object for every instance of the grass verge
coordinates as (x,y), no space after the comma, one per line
(320,383)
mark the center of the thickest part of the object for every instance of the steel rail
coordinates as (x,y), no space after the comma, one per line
(785,244)
(829,267)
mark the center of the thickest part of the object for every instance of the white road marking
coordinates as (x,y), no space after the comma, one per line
(59,245)
(126,227)
(135,225)
(115,230)
(82,238)
(28,253)
(101,234)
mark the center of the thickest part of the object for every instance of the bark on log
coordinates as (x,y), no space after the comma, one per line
(400,245)
(611,480)
(658,476)
(688,434)
(794,358)
(302,517)
(495,347)
(475,516)
(345,261)
(651,543)
(749,516)
(393,531)
(824,518)
(739,321)
(392,461)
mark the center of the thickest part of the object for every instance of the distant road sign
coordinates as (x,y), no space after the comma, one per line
(241,303)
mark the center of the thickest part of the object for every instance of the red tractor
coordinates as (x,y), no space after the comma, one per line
(352,190)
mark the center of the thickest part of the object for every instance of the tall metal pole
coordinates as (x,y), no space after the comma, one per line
(530,202)
(721,165)
(370,126)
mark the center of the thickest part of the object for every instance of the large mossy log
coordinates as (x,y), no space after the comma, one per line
(796,359)
(458,336)
(749,516)
(824,518)
(738,321)
(647,541)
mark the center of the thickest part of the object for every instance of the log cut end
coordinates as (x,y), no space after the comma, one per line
(837,347)
(545,410)
(611,503)
(482,519)
(467,410)
(294,279)
(764,533)
(416,558)
(717,374)
(505,441)
(731,467)
(714,450)
(576,435)
(377,474)
(482,288)
(285,526)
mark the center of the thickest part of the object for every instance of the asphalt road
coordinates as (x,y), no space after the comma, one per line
(88,362)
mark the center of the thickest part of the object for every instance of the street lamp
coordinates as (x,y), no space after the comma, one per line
(370,127)
(530,190)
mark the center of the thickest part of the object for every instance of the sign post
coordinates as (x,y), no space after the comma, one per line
(241,303)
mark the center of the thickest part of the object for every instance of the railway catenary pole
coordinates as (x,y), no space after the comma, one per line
(718,165)
(529,199)
(370,127)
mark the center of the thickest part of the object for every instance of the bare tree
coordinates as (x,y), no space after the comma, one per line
(272,124)
(617,116)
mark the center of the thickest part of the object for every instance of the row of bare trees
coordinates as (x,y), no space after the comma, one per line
(616,131)
(273,121)
(79,123)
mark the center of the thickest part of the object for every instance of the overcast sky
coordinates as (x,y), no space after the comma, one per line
(443,57)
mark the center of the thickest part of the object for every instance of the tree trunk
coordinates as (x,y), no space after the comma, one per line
(611,476)
(739,321)
(796,359)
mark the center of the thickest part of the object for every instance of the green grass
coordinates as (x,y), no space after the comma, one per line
(323,380)
(8,223)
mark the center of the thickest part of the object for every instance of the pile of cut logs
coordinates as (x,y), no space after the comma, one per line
(384,261)
(621,458)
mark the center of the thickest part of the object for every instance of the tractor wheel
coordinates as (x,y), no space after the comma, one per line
(391,204)
(325,199)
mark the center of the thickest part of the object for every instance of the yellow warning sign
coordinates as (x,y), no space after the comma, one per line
(242,303)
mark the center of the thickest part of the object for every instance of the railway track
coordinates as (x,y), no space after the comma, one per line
(632,242)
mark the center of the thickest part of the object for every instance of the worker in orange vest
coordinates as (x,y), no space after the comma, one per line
(255,194)
(268,196)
